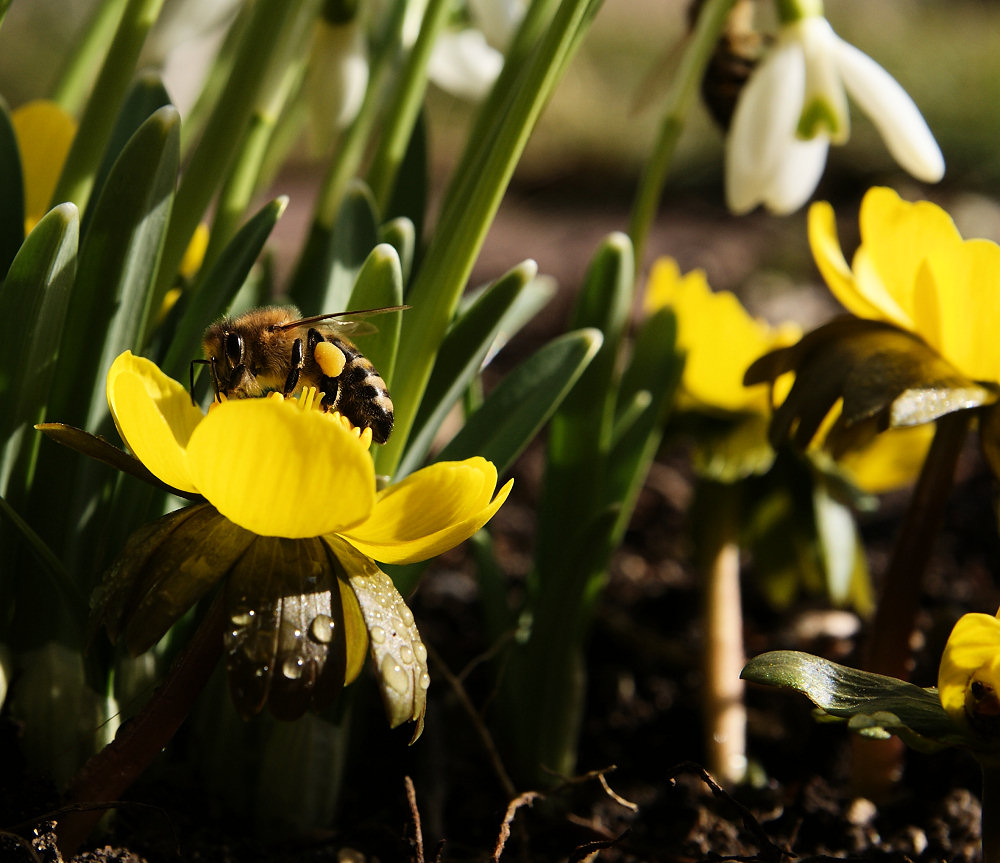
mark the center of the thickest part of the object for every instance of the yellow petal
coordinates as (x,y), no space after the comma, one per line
(836,272)
(893,459)
(277,469)
(430,511)
(896,236)
(971,654)
(719,337)
(154,416)
(44,134)
(960,321)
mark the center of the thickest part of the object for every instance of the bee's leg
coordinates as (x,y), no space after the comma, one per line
(296,364)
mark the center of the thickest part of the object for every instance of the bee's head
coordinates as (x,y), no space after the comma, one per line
(224,349)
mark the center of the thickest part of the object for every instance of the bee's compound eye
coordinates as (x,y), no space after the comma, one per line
(234,348)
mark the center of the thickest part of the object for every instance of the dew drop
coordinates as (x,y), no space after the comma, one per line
(406,655)
(421,651)
(297,633)
(292,668)
(321,628)
(393,674)
(425,681)
(407,615)
(377,634)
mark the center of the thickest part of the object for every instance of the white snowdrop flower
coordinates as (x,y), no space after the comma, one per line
(795,105)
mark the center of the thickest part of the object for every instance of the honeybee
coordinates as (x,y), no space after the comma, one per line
(275,349)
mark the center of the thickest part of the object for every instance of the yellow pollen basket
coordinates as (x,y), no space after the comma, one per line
(330,358)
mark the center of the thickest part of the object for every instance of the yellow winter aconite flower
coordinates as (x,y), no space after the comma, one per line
(276,469)
(913,269)
(293,523)
(44,134)
(718,336)
(969,674)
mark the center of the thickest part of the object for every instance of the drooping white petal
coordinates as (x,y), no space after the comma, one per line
(894,113)
(824,109)
(498,19)
(797,175)
(464,64)
(763,125)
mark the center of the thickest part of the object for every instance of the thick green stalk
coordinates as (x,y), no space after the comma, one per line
(683,91)
(464,223)
(404,106)
(98,118)
(75,78)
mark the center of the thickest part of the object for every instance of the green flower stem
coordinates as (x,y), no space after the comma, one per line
(351,147)
(465,221)
(238,191)
(888,650)
(683,91)
(404,106)
(105,100)
(261,54)
(722,626)
(991,823)
(112,770)
(75,79)
(790,11)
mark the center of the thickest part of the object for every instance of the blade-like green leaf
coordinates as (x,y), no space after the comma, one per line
(868,700)
(146,96)
(11,192)
(33,301)
(95,447)
(581,430)
(214,292)
(402,236)
(654,369)
(118,262)
(380,286)
(461,356)
(409,194)
(354,235)
(520,405)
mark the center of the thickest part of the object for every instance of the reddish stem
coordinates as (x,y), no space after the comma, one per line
(108,773)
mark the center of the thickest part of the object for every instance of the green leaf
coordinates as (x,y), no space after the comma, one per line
(882,373)
(33,302)
(117,266)
(522,402)
(461,356)
(379,285)
(354,235)
(146,96)
(215,291)
(581,430)
(409,194)
(11,192)
(402,236)
(839,543)
(871,702)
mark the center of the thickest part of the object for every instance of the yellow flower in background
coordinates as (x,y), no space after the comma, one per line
(293,524)
(969,674)
(44,134)
(718,336)
(913,269)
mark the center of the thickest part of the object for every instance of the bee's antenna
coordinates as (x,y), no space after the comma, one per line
(215,380)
